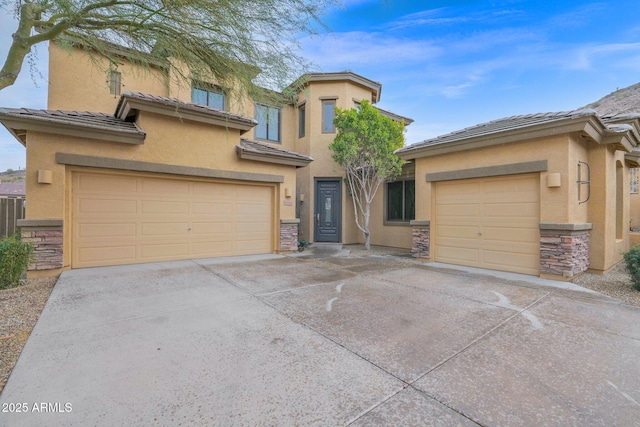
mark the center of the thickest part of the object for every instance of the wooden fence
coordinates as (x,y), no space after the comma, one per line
(11,210)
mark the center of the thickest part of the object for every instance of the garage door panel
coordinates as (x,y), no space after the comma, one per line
(161,229)
(152,221)
(167,250)
(164,207)
(462,231)
(102,230)
(510,209)
(503,230)
(105,255)
(164,187)
(106,183)
(222,209)
(447,254)
(518,262)
(458,210)
(106,206)
(508,235)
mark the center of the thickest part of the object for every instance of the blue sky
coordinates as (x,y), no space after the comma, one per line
(447,64)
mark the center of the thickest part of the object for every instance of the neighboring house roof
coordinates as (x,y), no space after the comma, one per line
(132,102)
(72,123)
(253,150)
(12,189)
(375,87)
(530,126)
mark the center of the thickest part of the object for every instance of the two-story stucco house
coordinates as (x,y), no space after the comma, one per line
(133,165)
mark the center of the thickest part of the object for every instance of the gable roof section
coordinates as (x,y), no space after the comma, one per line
(132,102)
(72,123)
(527,127)
(253,150)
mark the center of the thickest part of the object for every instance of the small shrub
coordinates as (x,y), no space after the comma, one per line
(14,260)
(632,261)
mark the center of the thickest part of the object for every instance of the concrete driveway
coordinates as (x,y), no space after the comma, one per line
(326,341)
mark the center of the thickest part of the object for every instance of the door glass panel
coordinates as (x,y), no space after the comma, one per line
(327,209)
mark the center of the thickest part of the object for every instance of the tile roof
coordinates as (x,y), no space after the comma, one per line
(263,149)
(83,119)
(12,188)
(506,124)
(182,105)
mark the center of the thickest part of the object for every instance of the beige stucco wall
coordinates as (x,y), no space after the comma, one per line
(559,204)
(169,141)
(79,81)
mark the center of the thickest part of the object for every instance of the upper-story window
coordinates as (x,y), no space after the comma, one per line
(301,121)
(401,200)
(115,82)
(328,113)
(268,126)
(208,95)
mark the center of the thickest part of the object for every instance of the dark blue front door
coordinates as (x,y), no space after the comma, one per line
(328,210)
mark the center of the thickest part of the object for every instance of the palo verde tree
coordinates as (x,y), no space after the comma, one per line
(227,39)
(364,147)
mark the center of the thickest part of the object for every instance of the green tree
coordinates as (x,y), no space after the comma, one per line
(227,39)
(364,147)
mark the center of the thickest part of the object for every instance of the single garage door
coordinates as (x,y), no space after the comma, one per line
(489,223)
(127,219)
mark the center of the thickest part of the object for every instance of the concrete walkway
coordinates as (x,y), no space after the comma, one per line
(324,340)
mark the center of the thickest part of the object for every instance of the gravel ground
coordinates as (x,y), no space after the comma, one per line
(615,283)
(19,311)
(20,307)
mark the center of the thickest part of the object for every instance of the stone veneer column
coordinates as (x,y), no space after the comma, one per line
(289,234)
(47,239)
(421,247)
(564,248)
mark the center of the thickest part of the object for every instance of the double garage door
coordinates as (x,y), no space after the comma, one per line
(489,223)
(126,219)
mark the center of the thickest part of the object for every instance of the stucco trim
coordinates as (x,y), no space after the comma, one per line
(509,169)
(139,166)
(419,222)
(561,226)
(40,223)
(290,221)
(328,97)
(633,159)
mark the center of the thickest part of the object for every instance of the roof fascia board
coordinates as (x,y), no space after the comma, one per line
(43,126)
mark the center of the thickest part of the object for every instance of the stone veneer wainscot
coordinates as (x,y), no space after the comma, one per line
(289,234)
(564,248)
(47,239)
(421,247)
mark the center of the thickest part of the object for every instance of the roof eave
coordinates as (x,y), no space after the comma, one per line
(130,104)
(271,158)
(375,87)
(68,129)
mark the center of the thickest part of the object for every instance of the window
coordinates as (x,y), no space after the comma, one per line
(268,126)
(115,82)
(301,121)
(328,112)
(401,200)
(208,95)
(633,173)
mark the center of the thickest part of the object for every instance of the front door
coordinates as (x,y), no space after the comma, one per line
(328,210)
